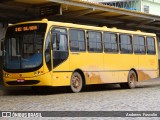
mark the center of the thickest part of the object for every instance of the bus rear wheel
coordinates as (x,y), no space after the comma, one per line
(76,82)
(132,81)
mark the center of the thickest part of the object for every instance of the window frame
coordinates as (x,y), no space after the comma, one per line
(150,45)
(77,29)
(139,44)
(117,40)
(102,47)
(54,63)
(60,27)
(131,40)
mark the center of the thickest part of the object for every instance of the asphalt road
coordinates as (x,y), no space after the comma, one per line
(146,97)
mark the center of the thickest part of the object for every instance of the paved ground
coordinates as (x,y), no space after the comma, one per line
(146,97)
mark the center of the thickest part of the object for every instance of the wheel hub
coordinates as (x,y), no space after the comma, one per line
(76,81)
(132,79)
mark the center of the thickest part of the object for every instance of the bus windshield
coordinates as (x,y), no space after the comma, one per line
(23,47)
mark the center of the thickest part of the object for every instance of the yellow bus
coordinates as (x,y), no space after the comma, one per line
(47,53)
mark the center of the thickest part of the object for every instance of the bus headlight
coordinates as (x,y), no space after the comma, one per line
(6,75)
(38,73)
(35,73)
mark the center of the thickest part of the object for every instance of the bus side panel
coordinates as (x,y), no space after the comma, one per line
(95,67)
(90,63)
(79,60)
(119,65)
(126,63)
(148,67)
(61,78)
(146,75)
(110,67)
(122,76)
(61,74)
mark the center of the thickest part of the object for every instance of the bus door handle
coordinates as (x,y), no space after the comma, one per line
(75,53)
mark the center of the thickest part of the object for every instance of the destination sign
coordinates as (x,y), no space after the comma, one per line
(26,28)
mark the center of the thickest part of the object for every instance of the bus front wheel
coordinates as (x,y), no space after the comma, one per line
(132,81)
(76,82)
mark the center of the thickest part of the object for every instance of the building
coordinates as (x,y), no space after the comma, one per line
(146,6)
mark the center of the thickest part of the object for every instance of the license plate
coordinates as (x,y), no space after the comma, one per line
(20,80)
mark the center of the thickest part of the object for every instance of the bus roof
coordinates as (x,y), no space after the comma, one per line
(88,27)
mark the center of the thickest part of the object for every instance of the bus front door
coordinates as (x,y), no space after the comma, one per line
(60,54)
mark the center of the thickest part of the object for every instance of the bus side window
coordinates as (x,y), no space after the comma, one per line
(77,40)
(151,45)
(126,44)
(139,44)
(110,42)
(95,41)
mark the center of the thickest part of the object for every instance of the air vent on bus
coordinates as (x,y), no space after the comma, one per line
(114,28)
(104,26)
(45,20)
(138,31)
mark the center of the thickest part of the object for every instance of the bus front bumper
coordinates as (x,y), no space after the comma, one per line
(41,80)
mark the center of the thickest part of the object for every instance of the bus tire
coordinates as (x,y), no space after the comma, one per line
(76,82)
(132,81)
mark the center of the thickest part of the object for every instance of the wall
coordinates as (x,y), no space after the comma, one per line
(154,7)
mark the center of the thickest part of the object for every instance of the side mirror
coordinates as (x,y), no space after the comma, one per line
(2,46)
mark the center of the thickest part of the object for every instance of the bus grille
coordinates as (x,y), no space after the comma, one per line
(27,82)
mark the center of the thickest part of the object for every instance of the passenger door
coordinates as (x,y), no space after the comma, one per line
(59,46)
(60,61)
